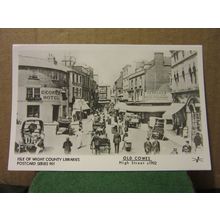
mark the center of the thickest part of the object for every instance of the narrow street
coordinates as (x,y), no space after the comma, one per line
(54,143)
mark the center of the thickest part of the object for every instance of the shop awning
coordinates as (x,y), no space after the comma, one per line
(121,106)
(173,108)
(104,101)
(80,105)
(132,108)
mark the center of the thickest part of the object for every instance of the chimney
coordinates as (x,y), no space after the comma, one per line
(158,58)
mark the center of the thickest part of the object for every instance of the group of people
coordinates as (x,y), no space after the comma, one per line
(120,134)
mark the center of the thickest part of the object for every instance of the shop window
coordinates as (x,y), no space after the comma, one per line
(33,111)
(65,77)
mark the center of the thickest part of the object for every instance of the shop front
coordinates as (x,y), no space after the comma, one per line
(186,118)
(147,111)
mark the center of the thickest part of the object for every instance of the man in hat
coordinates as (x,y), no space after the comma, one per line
(116,141)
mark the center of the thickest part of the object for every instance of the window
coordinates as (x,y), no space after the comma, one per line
(191,74)
(194,72)
(183,53)
(33,111)
(61,76)
(177,53)
(55,76)
(183,74)
(64,111)
(33,94)
(140,85)
(73,77)
(33,77)
(77,78)
(177,77)
(77,92)
(29,93)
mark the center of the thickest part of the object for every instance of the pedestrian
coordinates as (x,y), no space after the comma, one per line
(149,132)
(95,143)
(67,146)
(147,146)
(156,146)
(116,141)
(120,128)
(79,139)
(186,148)
(198,140)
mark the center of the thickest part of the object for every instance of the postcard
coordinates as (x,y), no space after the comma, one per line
(108,107)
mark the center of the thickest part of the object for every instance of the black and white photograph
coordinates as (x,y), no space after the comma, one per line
(108,107)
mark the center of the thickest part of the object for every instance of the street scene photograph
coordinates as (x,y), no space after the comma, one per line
(108,100)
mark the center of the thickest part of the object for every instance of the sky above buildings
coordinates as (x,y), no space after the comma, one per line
(107,61)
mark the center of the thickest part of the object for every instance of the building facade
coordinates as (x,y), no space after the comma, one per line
(185,93)
(149,91)
(104,94)
(118,88)
(126,72)
(150,78)
(136,85)
(85,78)
(42,89)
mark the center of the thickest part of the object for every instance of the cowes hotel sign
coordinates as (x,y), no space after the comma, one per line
(50,94)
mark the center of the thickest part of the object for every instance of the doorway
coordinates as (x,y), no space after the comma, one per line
(55,112)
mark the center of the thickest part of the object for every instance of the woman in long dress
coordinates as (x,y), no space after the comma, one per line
(79,136)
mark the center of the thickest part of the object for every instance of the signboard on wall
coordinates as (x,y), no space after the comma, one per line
(50,94)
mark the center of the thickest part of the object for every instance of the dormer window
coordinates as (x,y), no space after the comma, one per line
(33,77)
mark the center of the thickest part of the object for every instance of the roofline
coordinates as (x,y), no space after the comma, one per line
(52,66)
